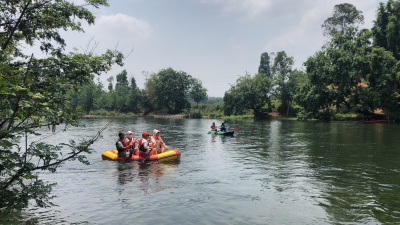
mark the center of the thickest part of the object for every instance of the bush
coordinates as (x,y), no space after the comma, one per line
(196,114)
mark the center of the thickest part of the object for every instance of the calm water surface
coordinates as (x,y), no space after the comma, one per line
(273,172)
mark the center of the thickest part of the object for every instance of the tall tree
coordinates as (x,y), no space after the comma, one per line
(386,27)
(282,71)
(122,91)
(265,64)
(314,95)
(197,92)
(337,71)
(249,93)
(345,20)
(135,98)
(169,90)
(33,92)
(380,24)
(384,81)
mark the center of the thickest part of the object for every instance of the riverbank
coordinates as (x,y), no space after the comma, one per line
(122,115)
(273,115)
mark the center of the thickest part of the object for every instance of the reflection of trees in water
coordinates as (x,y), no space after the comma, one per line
(359,181)
(147,174)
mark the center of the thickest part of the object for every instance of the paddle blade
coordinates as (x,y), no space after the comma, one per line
(237,128)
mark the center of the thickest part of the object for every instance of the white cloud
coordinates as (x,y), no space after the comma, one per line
(304,37)
(250,8)
(123,25)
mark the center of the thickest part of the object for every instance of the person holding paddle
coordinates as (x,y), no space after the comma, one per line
(132,142)
(143,143)
(222,127)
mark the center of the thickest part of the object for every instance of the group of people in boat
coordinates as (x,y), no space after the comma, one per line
(127,145)
(221,128)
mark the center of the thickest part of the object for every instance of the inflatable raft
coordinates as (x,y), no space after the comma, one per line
(230,133)
(165,156)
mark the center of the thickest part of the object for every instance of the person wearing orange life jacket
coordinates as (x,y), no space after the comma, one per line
(131,141)
(213,127)
(143,143)
(157,142)
(123,149)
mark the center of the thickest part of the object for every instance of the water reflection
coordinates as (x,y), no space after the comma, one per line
(349,169)
(280,172)
(144,175)
(351,164)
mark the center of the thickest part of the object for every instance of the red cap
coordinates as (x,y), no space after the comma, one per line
(145,134)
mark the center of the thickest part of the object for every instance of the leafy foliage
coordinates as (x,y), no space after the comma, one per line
(34,92)
(282,72)
(169,90)
(265,64)
(249,93)
(197,92)
(351,74)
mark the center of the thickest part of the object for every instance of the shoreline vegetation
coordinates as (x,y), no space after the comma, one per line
(377,116)
(354,73)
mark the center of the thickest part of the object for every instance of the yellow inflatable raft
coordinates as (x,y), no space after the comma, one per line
(165,156)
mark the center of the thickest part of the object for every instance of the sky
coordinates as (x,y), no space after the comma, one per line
(215,41)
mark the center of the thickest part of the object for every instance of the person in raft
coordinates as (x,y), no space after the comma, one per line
(123,151)
(157,143)
(131,141)
(213,127)
(144,143)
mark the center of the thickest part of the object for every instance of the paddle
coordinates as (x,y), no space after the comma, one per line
(236,128)
(147,156)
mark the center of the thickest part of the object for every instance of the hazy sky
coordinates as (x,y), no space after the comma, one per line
(215,41)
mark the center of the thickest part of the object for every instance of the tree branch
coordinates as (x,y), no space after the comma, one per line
(16,26)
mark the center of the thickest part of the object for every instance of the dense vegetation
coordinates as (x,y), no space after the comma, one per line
(33,89)
(355,72)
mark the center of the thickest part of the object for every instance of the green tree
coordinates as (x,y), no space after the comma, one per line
(384,82)
(99,96)
(33,92)
(169,90)
(336,72)
(314,96)
(265,64)
(135,97)
(197,92)
(386,27)
(282,71)
(249,93)
(344,21)
(122,91)
(380,24)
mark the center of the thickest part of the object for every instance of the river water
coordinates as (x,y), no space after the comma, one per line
(272,172)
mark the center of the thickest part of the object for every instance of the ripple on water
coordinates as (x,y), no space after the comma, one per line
(273,172)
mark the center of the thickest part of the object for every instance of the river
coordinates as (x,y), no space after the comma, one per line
(272,172)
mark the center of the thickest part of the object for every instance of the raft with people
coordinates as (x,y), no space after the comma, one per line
(128,148)
(168,155)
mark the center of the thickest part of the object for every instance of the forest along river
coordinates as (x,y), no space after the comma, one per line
(273,172)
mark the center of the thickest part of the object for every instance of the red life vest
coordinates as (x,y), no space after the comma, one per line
(141,147)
